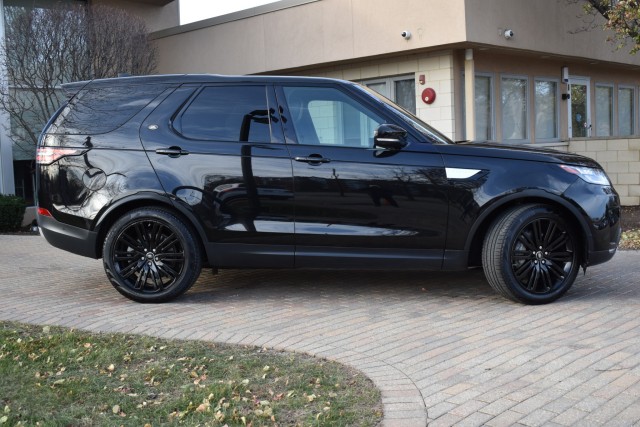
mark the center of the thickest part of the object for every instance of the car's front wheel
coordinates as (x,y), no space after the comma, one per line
(150,255)
(530,254)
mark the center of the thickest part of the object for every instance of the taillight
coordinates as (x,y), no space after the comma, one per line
(44,212)
(48,155)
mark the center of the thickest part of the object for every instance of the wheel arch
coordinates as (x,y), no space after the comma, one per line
(145,200)
(488,216)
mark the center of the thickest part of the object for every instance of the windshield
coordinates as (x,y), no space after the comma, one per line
(415,122)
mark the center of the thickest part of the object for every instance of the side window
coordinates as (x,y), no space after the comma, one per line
(326,116)
(227,113)
(104,109)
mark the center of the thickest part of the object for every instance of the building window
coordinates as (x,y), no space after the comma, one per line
(604,110)
(514,109)
(399,89)
(626,111)
(484,107)
(546,105)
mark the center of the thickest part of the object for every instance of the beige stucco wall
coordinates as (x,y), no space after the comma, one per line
(620,158)
(320,32)
(329,31)
(156,17)
(550,26)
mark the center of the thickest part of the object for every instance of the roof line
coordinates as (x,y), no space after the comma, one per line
(229,17)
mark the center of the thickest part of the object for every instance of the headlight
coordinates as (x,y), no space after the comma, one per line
(591,175)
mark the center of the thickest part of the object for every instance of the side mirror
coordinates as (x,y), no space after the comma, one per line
(390,137)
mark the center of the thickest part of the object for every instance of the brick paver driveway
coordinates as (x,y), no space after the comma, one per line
(442,347)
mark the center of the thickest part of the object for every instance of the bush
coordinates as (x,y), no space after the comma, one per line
(11,213)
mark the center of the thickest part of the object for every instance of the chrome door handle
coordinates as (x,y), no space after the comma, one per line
(313,159)
(172,151)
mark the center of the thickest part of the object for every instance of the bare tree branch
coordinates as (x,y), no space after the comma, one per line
(67,42)
(622,18)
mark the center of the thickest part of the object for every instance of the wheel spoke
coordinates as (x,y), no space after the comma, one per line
(132,243)
(168,271)
(538,235)
(522,255)
(546,279)
(523,271)
(524,239)
(533,279)
(170,256)
(129,269)
(141,235)
(561,256)
(168,241)
(556,270)
(551,231)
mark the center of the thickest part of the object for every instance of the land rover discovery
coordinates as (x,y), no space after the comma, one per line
(162,175)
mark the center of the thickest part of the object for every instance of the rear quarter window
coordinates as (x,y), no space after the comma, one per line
(104,109)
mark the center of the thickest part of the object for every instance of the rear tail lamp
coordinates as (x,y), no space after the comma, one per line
(48,155)
(44,212)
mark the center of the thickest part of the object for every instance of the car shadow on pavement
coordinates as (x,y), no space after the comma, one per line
(250,285)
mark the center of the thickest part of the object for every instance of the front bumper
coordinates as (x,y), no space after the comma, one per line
(601,211)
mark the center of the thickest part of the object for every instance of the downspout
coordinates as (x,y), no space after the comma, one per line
(469,95)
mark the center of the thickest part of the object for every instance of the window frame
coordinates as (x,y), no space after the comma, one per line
(390,82)
(613,124)
(634,105)
(492,104)
(527,104)
(535,111)
(177,125)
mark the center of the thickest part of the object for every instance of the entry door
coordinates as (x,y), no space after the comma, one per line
(579,108)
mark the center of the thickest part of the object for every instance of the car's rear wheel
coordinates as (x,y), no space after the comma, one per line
(530,254)
(150,255)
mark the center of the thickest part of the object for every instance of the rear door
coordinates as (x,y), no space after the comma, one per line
(219,152)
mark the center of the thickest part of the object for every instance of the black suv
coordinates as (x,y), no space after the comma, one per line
(161,175)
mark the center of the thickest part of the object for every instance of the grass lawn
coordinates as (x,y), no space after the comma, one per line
(53,376)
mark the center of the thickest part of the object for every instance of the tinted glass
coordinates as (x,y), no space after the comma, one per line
(104,109)
(483,104)
(546,101)
(228,113)
(604,110)
(514,109)
(406,94)
(327,116)
(626,112)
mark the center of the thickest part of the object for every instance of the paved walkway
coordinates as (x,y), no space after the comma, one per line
(443,347)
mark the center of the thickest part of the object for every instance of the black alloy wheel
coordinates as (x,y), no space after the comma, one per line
(530,255)
(151,256)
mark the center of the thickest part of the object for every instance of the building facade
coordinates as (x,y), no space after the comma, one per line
(16,165)
(510,71)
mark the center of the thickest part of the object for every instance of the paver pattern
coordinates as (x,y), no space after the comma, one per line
(443,347)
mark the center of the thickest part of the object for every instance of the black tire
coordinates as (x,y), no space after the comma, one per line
(150,255)
(530,254)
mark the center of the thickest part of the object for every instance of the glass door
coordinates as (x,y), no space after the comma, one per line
(579,108)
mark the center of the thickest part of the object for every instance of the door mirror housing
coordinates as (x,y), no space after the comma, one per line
(390,137)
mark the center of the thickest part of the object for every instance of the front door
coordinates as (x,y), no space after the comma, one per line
(357,206)
(579,108)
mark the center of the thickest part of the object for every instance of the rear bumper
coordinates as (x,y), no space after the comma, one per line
(67,237)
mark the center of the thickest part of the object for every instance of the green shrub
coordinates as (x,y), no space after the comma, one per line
(11,212)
